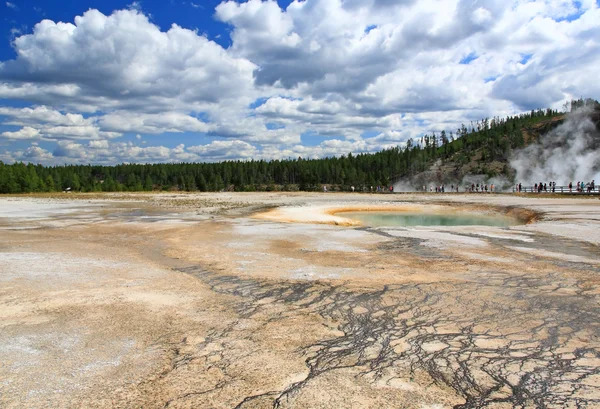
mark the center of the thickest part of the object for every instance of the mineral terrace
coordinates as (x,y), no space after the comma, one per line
(277,300)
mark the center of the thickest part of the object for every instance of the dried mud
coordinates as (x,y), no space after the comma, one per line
(186,302)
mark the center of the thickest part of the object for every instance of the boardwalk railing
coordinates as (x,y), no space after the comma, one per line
(558,189)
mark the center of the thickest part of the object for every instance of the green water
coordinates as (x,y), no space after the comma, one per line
(378,219)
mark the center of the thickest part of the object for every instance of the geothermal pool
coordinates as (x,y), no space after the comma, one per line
(412,219)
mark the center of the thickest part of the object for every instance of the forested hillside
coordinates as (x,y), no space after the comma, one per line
(479,147)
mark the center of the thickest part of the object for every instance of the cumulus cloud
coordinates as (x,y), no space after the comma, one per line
(45,123)
(326,46)
(123,61)
(222,150)
(41,114)
(33,153)
(125,121)
(359,75)
(23,133)
(98,144)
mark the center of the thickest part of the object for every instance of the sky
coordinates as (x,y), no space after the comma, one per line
(154,81)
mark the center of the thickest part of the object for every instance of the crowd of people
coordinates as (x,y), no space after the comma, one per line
(545,187)
(481,188)
(378,189)
(583,187)
(541,187)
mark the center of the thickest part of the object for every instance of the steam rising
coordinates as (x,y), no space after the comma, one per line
(569,153)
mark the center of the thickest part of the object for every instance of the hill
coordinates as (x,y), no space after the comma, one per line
(484,156)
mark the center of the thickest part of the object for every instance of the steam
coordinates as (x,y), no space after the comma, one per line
(500,184)
(425,181)
(569,153)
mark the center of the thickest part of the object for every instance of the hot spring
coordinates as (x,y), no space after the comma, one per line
(411,219)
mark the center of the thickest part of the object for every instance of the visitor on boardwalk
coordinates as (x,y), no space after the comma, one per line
(549,187)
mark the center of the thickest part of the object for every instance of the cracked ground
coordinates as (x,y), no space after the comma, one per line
(192,301)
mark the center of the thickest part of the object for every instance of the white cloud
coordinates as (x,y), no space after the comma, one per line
(223,150)
(70,150)
(41,114)
(105,152)
(124,121)
(23,133)
(136,5)
(123,61)
(11,5)
(481,16)
(333,69)
(98,144)
(52,124)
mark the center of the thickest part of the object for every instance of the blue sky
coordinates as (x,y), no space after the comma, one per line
(115,81)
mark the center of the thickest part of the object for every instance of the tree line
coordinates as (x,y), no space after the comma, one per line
(494,138)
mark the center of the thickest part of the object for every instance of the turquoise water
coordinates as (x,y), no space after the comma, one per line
(378,219)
